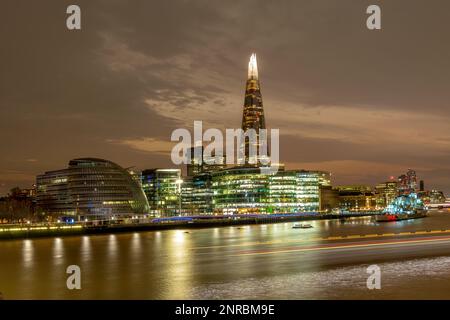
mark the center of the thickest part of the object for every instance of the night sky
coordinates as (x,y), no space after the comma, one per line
(362,104)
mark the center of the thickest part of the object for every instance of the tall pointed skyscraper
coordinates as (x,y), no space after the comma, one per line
(253,115)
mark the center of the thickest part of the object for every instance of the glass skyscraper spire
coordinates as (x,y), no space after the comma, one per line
(253,115)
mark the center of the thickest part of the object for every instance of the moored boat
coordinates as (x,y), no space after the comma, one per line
(301,226)
(404,207)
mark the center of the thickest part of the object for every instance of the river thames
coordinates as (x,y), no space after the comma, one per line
(271,261)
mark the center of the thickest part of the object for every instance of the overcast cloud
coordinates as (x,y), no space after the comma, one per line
(362,104)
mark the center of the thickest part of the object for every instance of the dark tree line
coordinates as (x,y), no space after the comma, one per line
(18,206)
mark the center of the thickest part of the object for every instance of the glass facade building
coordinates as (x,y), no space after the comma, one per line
(197,195)
(283,193)
(253,113)
(308,190)
(163,190)
(324,178)
(385,193)
(245,190)
(92,189)
(52,194)
(240,190)
(407,183)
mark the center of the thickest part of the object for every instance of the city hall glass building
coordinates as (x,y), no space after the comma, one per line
(91,189)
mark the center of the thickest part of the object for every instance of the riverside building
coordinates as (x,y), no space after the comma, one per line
(163,190)
(90,189)
(245,190)
(356,197)
(385,193)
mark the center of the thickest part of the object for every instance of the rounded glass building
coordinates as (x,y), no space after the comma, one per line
(94,189)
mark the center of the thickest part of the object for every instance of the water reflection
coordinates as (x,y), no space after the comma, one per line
(136,245)
(27,253)
(340,283)
(178,237)
(167,264)
(157,238)
(58,251)
(112,248)
(180,265)
(86,249)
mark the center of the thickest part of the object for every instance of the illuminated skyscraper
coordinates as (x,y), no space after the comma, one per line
(407,182)
(218,189)
(253,115)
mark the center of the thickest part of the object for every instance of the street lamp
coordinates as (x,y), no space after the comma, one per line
(179,182)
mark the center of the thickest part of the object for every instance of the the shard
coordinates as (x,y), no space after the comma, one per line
(253,115)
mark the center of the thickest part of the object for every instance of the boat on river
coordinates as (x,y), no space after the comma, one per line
(302,226)
(404,207)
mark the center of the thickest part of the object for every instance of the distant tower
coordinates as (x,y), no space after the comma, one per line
(407,182)
(253,115)
(412,180)
(194,166)
(422,186)
(402,184)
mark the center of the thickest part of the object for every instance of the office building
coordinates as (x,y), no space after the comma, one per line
(163,190)
(407,183)
(329,198)
(199,163)
(385,193)
(356,197)
(245,190)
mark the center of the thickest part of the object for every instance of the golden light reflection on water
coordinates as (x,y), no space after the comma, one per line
(168,264)
(27,253)
(58,251)
(136,245)
(112,248)
(86,249)
(179,237)
(112,254)
(158,238)
(179,263)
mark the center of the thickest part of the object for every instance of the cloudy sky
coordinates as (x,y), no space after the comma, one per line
(362,104)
